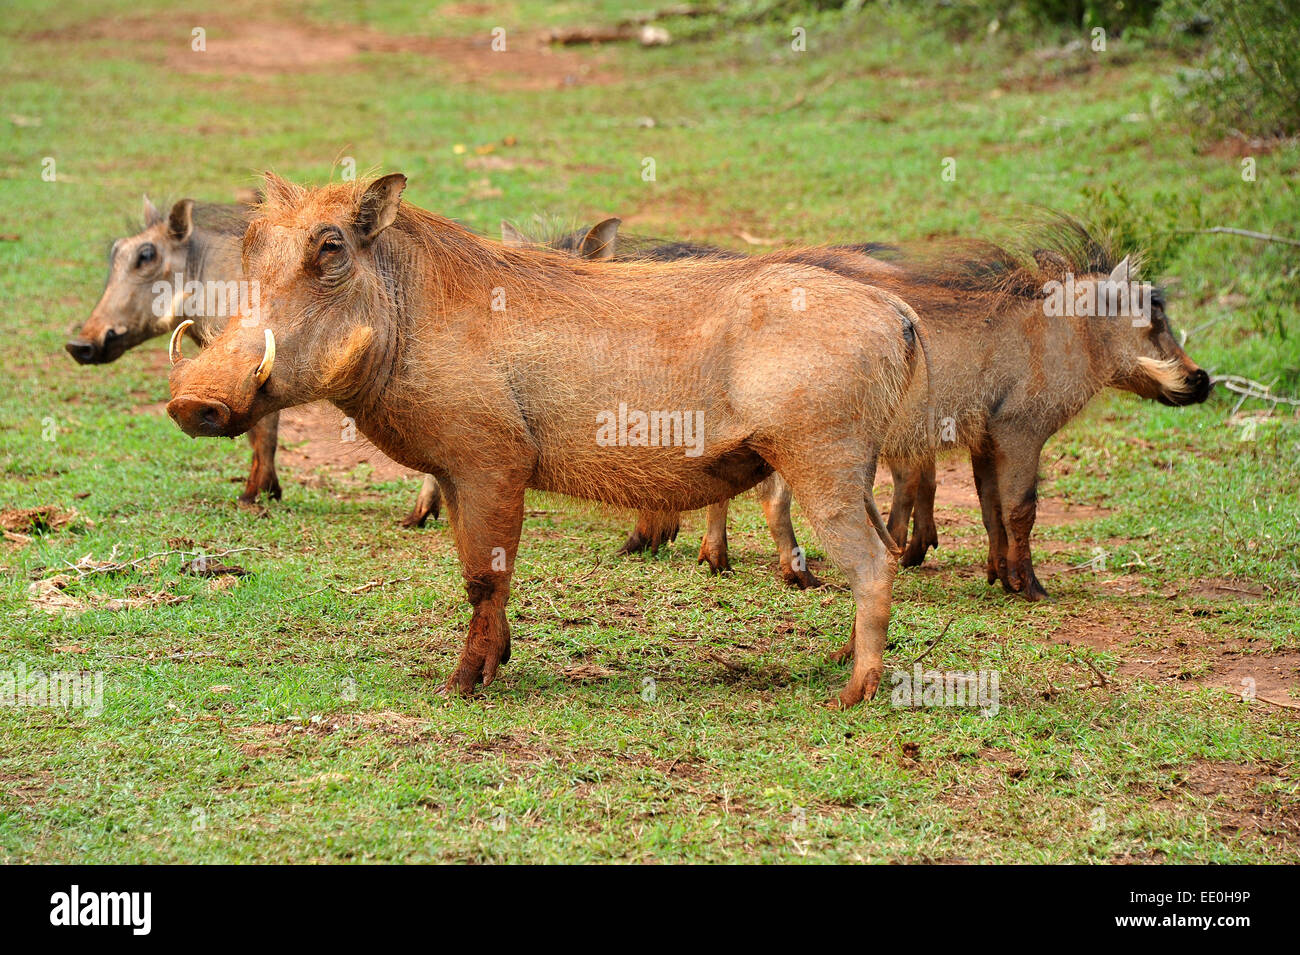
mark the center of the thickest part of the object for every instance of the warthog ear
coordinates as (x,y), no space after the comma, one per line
(378,206)
(281,191)
(181,221)
(598,243)
(512,237)
(1122,273)
(151,214)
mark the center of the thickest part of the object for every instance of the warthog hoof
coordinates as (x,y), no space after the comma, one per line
(469,673)
(1019,580)
(856,692)
(803,579)
(1027,585)
(843,655)
(256,488)
(914,554)
(419,515)
(716,559)
(647,535)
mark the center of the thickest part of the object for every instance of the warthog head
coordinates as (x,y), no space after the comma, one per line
(128,312)
(325,322)
(1132,328)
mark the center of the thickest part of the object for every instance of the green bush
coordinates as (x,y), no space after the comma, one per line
(1249,81)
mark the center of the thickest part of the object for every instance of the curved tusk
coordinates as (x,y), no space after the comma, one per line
(174,349)
(268,359)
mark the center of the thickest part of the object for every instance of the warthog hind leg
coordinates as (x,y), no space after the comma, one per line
(924,532)
(854,538)
(262,476)
(428,503)
(654,529)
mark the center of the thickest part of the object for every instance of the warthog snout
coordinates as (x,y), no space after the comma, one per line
(83,351)
(200,417)
(1196,388)
(89,352)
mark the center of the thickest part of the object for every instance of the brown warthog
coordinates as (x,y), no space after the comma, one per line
(659,386)
(596,243)
(1018,348)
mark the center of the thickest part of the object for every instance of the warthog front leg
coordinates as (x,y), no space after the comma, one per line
(486,513)
(713,549)
(261,476)
(428,503)
(1016,459)
(774,495)
(654,529)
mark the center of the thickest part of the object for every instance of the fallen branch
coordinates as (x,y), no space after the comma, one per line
(363,589)
(1249,388)
(668,13)
(719,658)
(86,567)
(933,643)
(1101,678)
(826,81)
(1246,233)
(578,36)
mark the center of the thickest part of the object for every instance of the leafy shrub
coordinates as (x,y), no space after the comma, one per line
(1249,81)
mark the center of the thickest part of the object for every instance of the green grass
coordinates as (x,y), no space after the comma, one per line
(323,740)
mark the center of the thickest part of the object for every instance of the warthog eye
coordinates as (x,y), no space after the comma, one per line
(146,255)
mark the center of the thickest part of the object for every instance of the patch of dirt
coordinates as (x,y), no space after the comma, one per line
(955,496)
(316,436)
(1179,652)
(313,437)
(1221,588)
(21,524)
(987,778)
(236,47)
(1236,802)
(25,790)
(51,596)
(1239,147)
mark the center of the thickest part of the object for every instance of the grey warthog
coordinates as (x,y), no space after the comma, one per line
(1019,344)
(146,296)
(499,369)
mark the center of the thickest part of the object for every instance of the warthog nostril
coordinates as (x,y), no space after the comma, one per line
(1201,385)
(82,350)
(199,417)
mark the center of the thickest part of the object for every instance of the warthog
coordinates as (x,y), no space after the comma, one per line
(596,243)
(197,243)
(499,369)
(185,269)
(1013,358)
